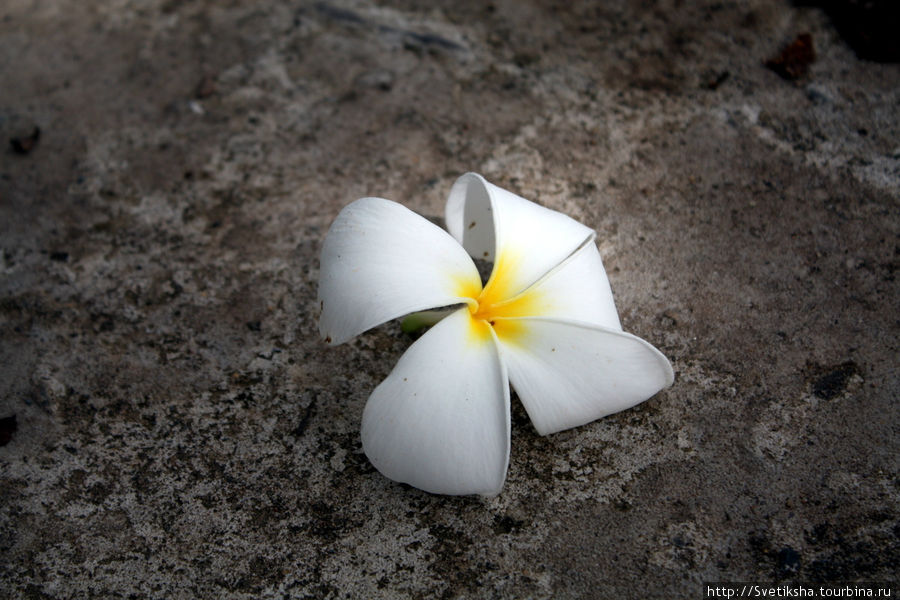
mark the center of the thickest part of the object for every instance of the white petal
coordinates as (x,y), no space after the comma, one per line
(576,290)
(381,261)
(568,374)
(495,224)
(440,421)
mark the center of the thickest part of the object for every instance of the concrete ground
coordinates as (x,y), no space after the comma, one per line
(180,432)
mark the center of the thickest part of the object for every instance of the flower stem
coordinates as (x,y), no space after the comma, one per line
(416,321)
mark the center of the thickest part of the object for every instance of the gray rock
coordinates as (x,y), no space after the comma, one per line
(182,432)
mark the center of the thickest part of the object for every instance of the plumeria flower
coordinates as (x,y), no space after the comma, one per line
(545,322)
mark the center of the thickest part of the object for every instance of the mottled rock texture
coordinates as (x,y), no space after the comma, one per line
(181,432)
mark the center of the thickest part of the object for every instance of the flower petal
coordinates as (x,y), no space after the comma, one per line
(495,224)
(440,421)
(568,374)
(576,290)
(381,261)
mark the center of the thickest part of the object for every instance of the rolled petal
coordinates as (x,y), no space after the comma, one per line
(381,261)
(568,374)
(526,239)
(440,421)
(576,290)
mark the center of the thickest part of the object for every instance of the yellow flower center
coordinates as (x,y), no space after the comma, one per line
(497,305)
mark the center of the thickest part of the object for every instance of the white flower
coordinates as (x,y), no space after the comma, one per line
(544,322)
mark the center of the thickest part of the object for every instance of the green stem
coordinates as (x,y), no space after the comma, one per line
(416,321)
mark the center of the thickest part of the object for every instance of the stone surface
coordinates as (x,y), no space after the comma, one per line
(182,433)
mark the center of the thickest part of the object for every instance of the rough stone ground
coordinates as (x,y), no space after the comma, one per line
(181,431)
